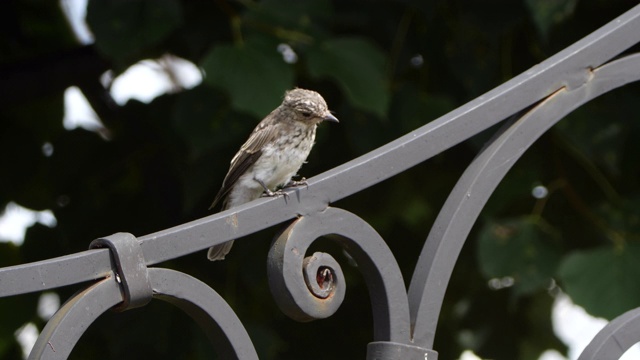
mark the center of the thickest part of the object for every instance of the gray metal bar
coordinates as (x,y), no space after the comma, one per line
(57,272)
(194,297)
(570,68)
(614,339)
(374,258)
(460,211)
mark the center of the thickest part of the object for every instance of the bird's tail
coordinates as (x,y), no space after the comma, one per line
(218,252)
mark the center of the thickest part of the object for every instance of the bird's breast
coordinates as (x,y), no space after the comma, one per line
(282,158)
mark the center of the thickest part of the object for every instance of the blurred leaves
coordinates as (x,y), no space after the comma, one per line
(32,28)
(124,29)
(603,148)
(605,280)
(358,67)
(253,73)
(523,249)
(290,20)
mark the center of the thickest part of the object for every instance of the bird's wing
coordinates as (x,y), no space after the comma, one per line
(249,153)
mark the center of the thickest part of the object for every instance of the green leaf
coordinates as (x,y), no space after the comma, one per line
(124,28)
(254,74)
(519,248)
(547,13)
(358,67)
(287,15)
(605,281)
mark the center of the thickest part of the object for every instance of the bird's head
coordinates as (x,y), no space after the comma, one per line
(307,106)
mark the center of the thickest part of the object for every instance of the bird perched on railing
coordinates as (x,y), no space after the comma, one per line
(273,154)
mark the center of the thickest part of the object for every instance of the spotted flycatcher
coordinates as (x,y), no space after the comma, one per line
(274,153)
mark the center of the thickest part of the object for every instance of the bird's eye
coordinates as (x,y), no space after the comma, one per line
(306,114)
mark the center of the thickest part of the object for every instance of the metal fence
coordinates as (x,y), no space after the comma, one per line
(313,287)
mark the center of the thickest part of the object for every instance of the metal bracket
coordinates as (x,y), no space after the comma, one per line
(131,269)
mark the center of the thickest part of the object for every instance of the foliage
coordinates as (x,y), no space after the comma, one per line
(385,68)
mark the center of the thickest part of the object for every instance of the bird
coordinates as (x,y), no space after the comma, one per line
(273,154)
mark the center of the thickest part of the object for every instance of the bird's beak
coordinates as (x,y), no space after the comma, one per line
(330,117)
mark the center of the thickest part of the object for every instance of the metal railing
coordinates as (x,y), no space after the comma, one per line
(312,287)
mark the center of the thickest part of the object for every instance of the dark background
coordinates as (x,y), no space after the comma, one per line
(158,165)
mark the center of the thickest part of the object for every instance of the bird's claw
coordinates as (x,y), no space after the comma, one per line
(269,193)
(294,183)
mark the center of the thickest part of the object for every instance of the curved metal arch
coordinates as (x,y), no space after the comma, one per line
(614,339)
(207,308)
(450,230)
(64,329)
(203,304)
(378,266)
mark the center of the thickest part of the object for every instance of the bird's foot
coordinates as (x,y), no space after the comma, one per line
(269,193)
(294,183)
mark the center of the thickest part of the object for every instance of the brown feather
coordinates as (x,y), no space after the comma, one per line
(248,154)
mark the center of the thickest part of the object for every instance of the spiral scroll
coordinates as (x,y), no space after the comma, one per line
(313,287)
(316,292)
